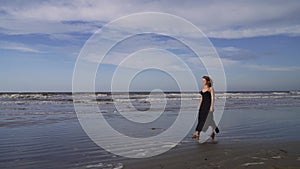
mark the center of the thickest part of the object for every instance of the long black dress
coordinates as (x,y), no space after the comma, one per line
(204,109)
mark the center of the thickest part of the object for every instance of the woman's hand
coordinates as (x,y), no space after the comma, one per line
(211,109)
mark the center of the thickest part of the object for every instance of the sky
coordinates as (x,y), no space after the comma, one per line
(257,42)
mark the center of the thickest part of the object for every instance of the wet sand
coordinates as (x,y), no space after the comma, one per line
(264,155)
(41,131)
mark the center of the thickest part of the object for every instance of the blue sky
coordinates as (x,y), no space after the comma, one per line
(258,42)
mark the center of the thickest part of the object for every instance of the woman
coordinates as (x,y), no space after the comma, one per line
(206,105)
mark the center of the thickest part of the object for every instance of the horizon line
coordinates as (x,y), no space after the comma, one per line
(147,91)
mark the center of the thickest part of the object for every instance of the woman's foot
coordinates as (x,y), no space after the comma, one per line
(213,136)
(195,135)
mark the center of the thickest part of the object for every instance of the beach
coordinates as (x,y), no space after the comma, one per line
(257,130)
(105,84)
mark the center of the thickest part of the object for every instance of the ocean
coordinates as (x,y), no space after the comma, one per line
(41,130)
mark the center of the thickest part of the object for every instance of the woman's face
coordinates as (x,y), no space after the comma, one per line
(204,81)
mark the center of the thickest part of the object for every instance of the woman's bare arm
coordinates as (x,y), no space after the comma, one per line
(212,92)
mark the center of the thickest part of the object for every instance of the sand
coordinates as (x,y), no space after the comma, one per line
(264,155)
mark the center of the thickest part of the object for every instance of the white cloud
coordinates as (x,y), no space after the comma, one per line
(273,68)
(221,19)
(234,53)
(147,57)
(17,46)
(153,58)
(253,32)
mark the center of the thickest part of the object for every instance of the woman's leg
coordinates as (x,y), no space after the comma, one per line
(201,120)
